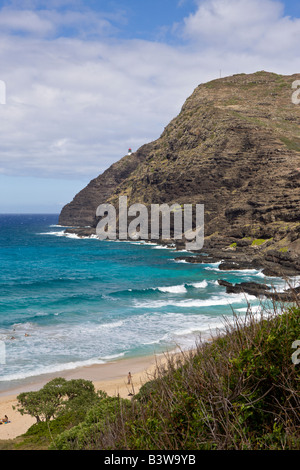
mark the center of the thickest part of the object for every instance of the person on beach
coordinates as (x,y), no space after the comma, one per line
(129,378)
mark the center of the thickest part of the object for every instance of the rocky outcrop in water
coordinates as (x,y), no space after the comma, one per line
(261,290)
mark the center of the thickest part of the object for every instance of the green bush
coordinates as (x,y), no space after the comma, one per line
(97,421)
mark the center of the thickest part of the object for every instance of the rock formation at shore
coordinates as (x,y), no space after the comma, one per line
(234,147)
(261,290)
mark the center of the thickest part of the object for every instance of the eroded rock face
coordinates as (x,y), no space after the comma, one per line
(81,212)
(234,147)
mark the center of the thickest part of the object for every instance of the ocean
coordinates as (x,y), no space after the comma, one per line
(67,302)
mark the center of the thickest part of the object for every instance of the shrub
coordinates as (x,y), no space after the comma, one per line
(258,242)
(97,422)
(56,397)
(240,391)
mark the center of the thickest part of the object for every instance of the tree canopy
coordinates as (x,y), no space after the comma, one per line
(57,397)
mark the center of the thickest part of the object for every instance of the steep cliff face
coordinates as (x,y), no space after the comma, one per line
(234,147)
(81,212)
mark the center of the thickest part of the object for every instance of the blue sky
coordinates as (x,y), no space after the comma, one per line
(86,80)
(151,20)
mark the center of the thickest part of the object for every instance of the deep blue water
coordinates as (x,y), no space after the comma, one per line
(86,301)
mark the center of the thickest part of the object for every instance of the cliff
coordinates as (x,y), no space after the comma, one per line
(81,212)
(235,147)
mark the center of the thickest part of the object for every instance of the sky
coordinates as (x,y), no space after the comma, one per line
(83,81)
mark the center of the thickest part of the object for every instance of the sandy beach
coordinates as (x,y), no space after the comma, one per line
(110,377)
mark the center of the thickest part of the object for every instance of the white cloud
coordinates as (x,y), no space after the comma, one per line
(254,26)
(49,22)
(75,105)
(24,21)
(96,98)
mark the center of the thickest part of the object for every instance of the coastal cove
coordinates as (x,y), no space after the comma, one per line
(69,302)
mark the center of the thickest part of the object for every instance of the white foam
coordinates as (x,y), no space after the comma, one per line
(173,289)
(162,247)
(50,369)
(260,274)
(239,271)
(199,285)
(252,308)
(56,234)
(214,300)
(113,356)
(70,235)
(116,324)
(186,331)
(147,343)
(246,271)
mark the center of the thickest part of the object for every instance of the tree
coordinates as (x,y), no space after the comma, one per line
(57,397)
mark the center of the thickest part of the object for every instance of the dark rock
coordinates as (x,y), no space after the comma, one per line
(261,290)
(224,283)
(243,242)
(82,231)
(235,266)
(251,288)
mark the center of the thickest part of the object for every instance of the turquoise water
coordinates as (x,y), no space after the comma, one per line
(69,302)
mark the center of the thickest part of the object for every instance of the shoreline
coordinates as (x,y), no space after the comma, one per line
(240,258)
(230,251)
(110,377)
(110,370)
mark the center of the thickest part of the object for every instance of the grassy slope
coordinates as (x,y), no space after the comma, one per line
(241,391)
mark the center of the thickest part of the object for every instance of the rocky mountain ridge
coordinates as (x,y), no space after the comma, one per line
(234,147)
